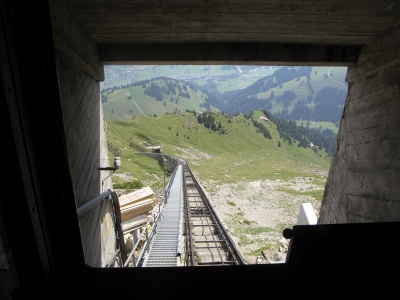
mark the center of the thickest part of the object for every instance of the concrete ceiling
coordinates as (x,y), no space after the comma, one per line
(331,22)
(280,32)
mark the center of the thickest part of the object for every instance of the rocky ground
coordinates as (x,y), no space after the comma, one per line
(256,213)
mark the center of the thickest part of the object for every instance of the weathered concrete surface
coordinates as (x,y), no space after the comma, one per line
(307,22)
(87,151)
(72,39)
(364,179)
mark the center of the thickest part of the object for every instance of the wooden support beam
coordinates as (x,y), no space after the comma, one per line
(229,53)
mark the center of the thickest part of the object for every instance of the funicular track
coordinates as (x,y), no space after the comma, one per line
(207,242)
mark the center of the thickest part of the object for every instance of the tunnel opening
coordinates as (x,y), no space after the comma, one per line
(257,194)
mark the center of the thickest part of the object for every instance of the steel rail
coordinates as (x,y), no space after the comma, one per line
(214,240)
(230,246)
(189,241)
(193,212)
(216,236)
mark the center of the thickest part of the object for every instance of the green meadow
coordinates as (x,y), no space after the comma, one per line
(243,154)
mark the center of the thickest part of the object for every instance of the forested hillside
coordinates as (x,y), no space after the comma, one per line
(155,96)
(293,93)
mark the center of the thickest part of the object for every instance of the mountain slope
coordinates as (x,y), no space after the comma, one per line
(231,150)
(155,96)
(308,93)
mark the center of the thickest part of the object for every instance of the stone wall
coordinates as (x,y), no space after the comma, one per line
(364,179)
(85,132)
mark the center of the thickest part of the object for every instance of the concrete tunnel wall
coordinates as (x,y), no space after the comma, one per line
(364,178)
(79,74)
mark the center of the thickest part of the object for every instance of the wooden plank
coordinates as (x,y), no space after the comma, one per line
(133,222)
(133,205)
(135,196)
(145,207)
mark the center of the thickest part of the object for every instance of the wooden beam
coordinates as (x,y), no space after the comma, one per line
(229,53)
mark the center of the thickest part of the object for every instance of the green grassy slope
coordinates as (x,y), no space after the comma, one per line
(241,154)
(120,106)
(318,81)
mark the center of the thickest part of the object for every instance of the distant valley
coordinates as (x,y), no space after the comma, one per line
(309,94)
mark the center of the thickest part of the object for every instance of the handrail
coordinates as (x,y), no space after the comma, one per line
(113,259)
(168,188)
(148,237)
(89,205)
(110,195)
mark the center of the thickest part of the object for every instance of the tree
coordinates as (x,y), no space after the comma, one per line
(279,143)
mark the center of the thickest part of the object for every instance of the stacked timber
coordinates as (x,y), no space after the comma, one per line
(136,207)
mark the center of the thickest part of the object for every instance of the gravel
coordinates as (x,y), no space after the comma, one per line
(246,206)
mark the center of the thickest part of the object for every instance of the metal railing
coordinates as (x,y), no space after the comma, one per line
(136,262)
(145,248)
(112,196)
(108,195)
(92,203)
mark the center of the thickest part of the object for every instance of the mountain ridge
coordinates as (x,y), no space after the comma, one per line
(292,93)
